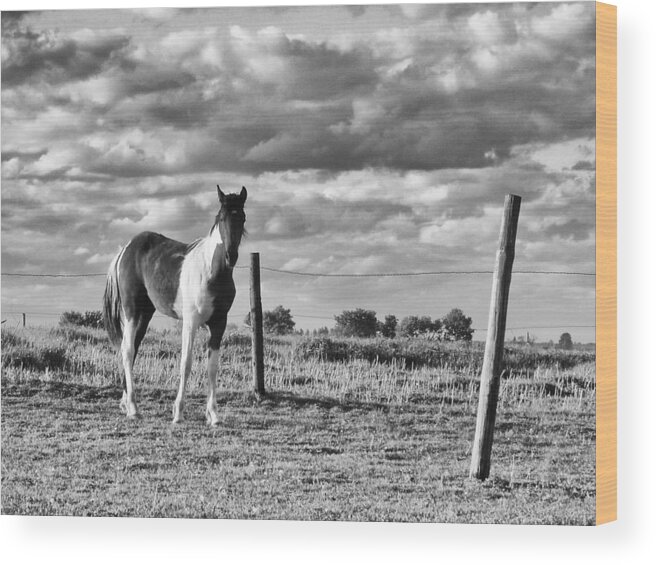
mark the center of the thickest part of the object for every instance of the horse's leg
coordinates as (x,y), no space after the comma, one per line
(141,310)
(128,350)
(188,332)
(142,325)
(216,327)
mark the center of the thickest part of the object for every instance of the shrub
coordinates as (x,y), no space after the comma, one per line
(71,318)
(37,358)
(413,352)
(10,339)
(236,339)
(90,319)
(461,356)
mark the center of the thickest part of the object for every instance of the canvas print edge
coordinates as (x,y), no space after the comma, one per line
(606,118)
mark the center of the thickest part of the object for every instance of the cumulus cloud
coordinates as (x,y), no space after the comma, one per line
(100,259)
(52,58)
(373,146)
(332,106)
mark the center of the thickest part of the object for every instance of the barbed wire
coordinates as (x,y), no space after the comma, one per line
(54,275)
(422,273)
(310,274)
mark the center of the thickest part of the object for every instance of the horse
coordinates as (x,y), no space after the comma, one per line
(189,282)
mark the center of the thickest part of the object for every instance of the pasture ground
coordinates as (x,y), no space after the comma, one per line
(332,440)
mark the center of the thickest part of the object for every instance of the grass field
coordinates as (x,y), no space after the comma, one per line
(349,430)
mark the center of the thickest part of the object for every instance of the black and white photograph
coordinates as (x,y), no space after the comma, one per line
(312,263)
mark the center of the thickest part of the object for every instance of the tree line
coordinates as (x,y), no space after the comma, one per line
(454,326)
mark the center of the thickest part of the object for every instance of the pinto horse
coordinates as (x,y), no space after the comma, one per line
(190,282)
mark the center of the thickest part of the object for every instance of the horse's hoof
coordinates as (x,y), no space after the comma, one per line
(212,420)
(134,416)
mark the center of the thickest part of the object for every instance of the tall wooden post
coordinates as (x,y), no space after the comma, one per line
(24,317)
(256,325)
(496,330)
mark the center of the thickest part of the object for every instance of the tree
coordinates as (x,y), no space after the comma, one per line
(565,341)
(415,326)
(388,327)
(356,323)
(457,326)
(278,321)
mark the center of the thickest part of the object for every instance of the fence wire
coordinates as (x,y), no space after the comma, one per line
(342,275)
(308,274)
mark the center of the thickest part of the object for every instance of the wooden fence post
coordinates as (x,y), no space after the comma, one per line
(24,318)
(496,330)
(256,325)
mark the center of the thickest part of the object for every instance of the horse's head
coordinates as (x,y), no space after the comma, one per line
(230,222)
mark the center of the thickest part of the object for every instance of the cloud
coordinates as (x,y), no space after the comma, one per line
(356,11)
(490,28)
(299,69)
(402,100)
(584,166)
(157,14)
(462,232)
(100,258)
(49,57)
(566,21)
(570,229)
(386,145)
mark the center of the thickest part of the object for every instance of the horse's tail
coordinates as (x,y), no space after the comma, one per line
(112,304)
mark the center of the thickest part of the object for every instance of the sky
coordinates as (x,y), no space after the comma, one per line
(371,139)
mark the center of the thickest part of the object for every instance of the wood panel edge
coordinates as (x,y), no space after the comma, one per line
(606,263)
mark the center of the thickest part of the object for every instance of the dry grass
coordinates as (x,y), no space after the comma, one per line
(355,439)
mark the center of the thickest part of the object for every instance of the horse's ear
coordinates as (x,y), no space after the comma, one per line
(243,194)
(221,195)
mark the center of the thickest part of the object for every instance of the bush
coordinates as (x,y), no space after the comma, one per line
(413,352)
(37,358)
(71,318)
(236,339)
(461,356)
(90,319)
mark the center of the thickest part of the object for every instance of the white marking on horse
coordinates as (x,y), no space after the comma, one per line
(193,297)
